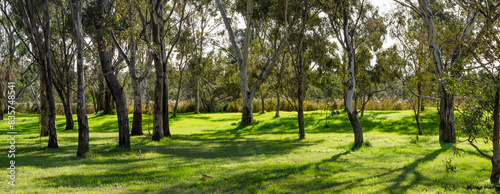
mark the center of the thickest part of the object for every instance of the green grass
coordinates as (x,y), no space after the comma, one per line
(263,158)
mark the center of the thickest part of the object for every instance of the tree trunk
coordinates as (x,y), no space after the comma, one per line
(114,85)
(158,32)
(495,171)
(351,113)
(3,92)
(107,106)
(447,119)
(166,128)
(247,110)
(178,93)
(356,127)
(1,112)
(242,58)
(48,86)
(44,122)
(300,92)
(83,126)
(197,99)
(419,104)
(278,103)
(262,101)
(446,125)
(137,120)
(70,125)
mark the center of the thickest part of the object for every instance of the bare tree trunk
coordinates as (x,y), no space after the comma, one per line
(419,104)
(158,32)
(447,119)
(114,85)
(247,111)
(300,92)
(1,102)
(107,106)
(137,119)
(166,128)
(447,123)
(242,58)
(44,131)
(67,109)
(278,103)
(351,113)
(262,101)
(48,86)
(83,126)
(197,95)
(495,171)
(178,93)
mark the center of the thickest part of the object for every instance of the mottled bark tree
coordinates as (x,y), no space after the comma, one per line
(105,55)
(83,126)
(40,50)
(247,93)
(446,107)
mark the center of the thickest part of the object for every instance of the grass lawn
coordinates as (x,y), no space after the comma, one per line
(263,158)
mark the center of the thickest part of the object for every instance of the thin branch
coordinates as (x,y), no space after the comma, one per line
(420,96)
(478,150)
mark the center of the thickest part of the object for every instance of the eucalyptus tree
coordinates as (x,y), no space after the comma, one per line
(417,67)
(161,55)
(37,30)
(204,25)
(446,58)
(63,50)
(480,85)
(346,18)
(83,125)
(185,47)
(134,28)
(264,13)
(10,47)
(103,24)
(305,46)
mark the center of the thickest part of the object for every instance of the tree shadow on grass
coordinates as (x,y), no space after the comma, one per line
(315,123)
(397,187)
(254,180)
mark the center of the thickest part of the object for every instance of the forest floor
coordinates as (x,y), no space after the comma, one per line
(211,153)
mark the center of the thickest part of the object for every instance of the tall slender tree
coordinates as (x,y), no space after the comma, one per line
(83,126)
(446,107)
(106,51)
(241,55)
(40,50)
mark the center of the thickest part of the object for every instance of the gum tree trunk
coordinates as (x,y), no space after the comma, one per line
(158,32)
(44,122)
(495,161)
(197,99)
(262,101)
(351,113)
(83,126)
(166,128)
(48,86)
(116,89)
(178,93)
(247,94)
(278,103)
(447,123)
(446,119)
(300,92)
(67,109)
(247,111)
